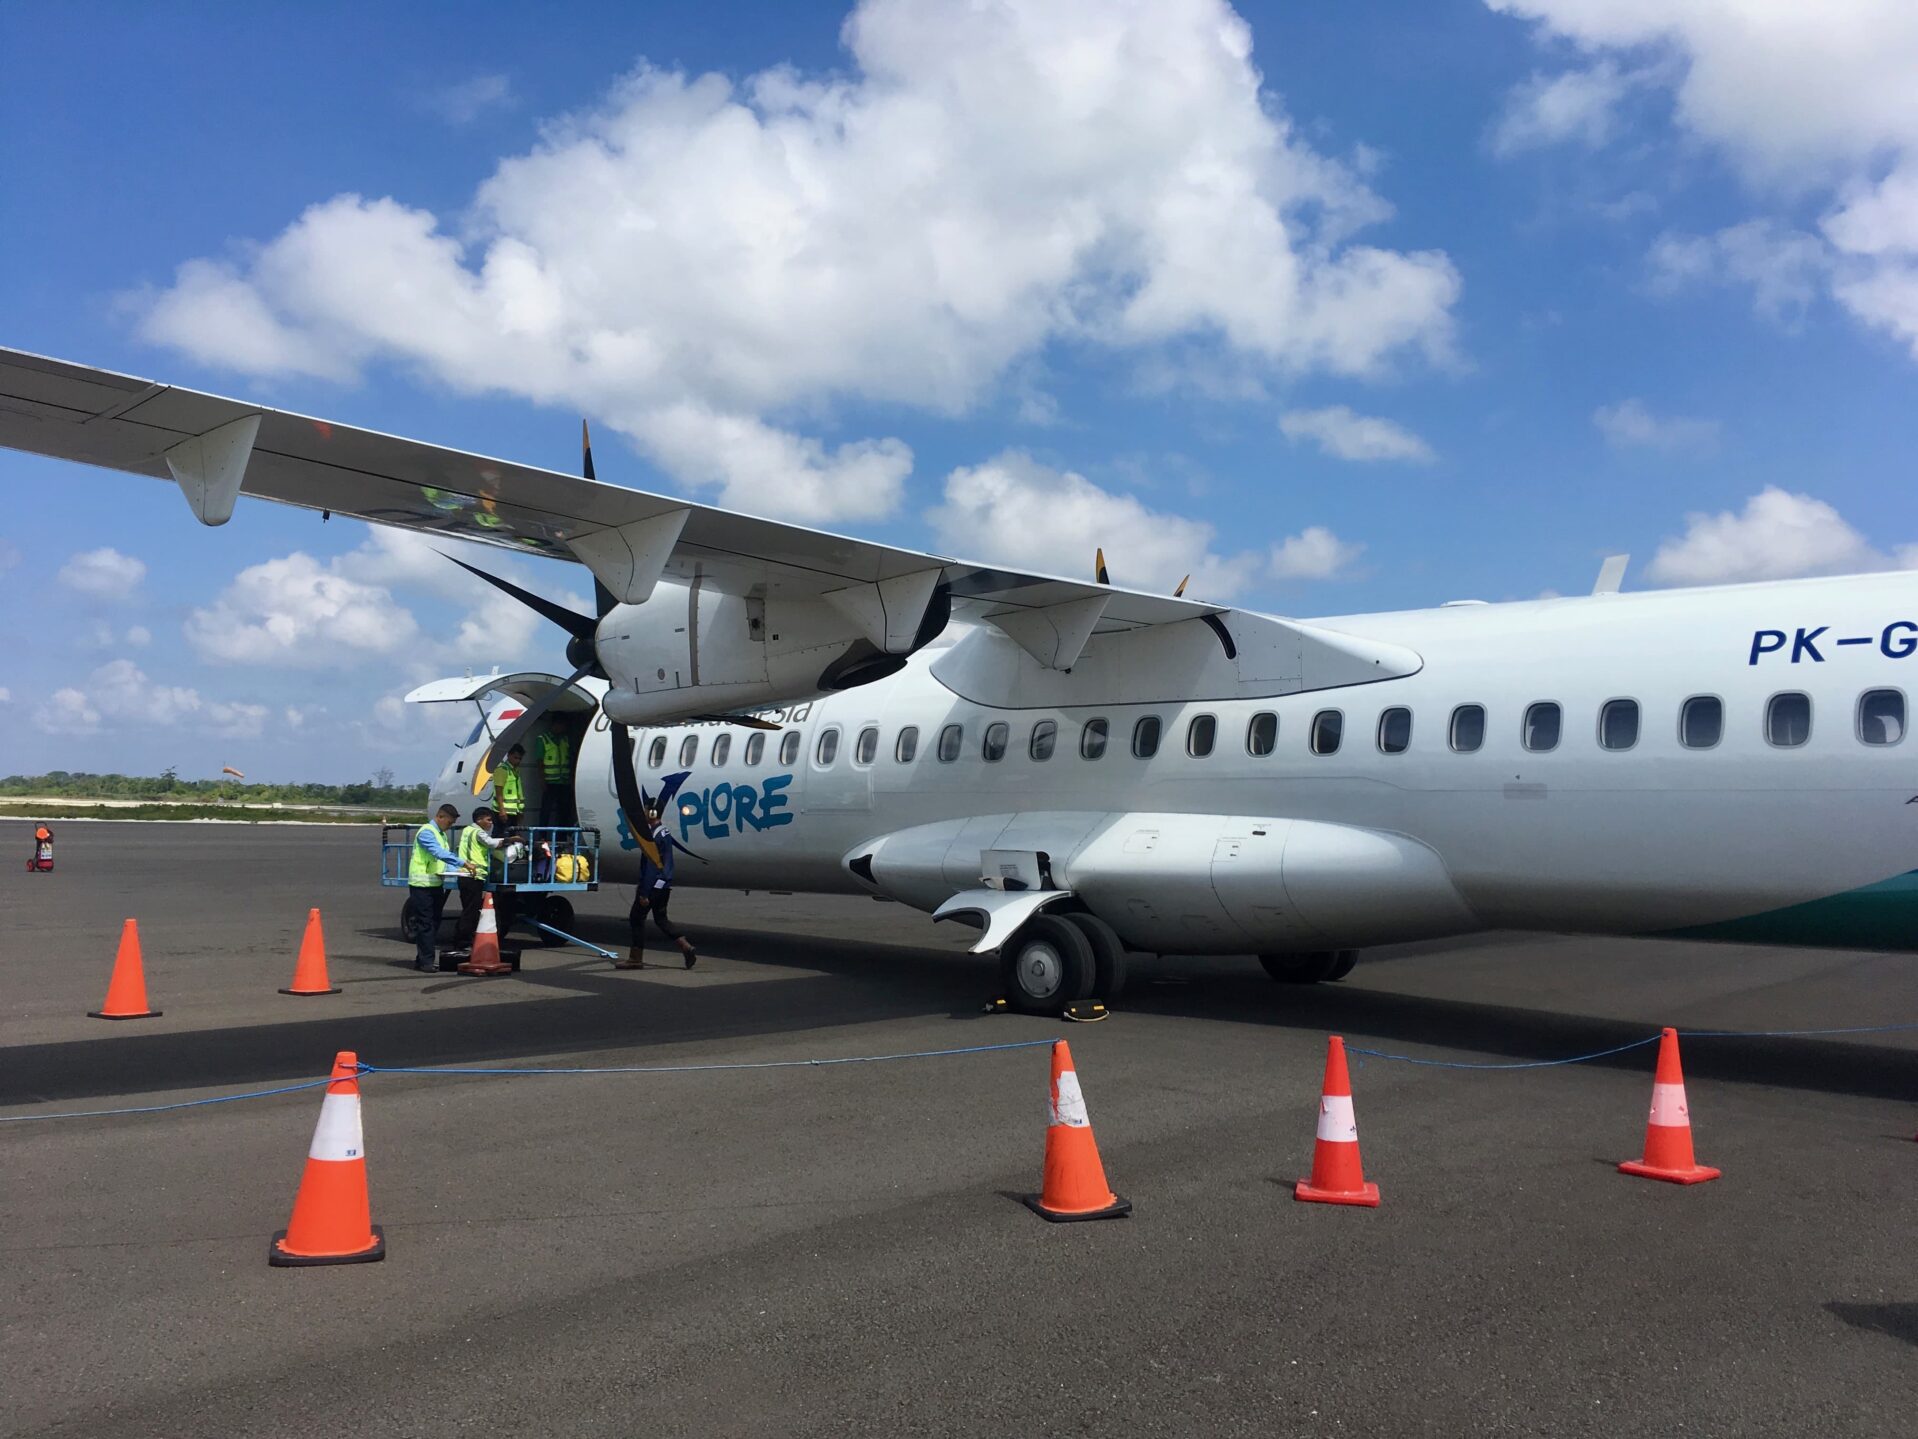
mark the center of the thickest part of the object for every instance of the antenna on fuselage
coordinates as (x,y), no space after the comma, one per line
(1611,574)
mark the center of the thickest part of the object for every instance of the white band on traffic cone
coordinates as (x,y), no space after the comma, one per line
(1337,1122)
(338,1134)
(1668,1106)
(1068,1106)
(487,925)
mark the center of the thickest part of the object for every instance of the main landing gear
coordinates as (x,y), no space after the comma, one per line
(1060,959)
(1313,966)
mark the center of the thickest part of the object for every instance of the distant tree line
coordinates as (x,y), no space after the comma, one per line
(380,790)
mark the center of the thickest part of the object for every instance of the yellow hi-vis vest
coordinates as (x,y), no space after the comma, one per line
(423,870)
(555,756)
(508,790)
(473,850)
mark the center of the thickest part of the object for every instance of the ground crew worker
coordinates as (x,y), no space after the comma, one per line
(655,892)
(556,770)
(509,791)
(476,859)
(428,864)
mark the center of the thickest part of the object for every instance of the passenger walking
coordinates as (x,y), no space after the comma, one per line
(477,845)
(429,863)
(655,893)
(509,791)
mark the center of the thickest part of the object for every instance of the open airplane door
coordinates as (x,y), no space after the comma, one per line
(499,700)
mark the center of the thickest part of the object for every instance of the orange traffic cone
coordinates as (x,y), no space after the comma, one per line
(331,1221)
(309,972)
(1337,1176)
(127,990)
(1668,1132)
(1074,1186)
(485,956)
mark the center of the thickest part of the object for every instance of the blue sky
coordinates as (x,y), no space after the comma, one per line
(1410,303)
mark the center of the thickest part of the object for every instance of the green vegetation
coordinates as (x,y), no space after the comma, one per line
(55,810)
(380,791)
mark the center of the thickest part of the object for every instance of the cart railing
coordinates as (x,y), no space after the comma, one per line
(548,852)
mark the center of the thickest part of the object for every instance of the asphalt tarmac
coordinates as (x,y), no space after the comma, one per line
(840,1249)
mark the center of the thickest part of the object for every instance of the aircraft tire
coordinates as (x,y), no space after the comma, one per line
(556,910)
(1108,955)
(1346,962)
(1307,968)
(1047,966)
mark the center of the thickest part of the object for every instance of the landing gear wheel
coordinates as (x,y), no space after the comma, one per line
(1307,968)
(1047,966)
(556,910)
(1344,965)
(1108,954)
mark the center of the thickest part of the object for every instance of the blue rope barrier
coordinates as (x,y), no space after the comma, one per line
(163,1108)
(365,1068)
(1519,1064)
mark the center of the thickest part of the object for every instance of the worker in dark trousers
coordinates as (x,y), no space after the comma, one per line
(476,863)
(556,778)
(509,792)
(429,862)
(655,893)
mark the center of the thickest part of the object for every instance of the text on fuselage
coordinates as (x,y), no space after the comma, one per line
(1896,641)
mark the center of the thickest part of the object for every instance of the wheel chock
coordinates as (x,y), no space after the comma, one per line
(1085,1011)
(998,1006)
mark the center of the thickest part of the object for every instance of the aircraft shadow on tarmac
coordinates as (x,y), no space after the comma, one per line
(1900,1321)
(577,1003)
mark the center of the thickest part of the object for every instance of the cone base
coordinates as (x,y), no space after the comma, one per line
(281,1258)
(137,1014)
(1366,1197)
(1697,1174)
(1118,1209)
(471,968)
(309,993)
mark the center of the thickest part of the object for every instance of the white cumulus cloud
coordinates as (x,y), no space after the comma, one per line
(709,262)
(1800,99)
(1315,553)
(296,612)
(67,711)
(103,574)
(1784,268)
(1346,435)
(122,694)
(1778,535)
(1578,105)
(1630,425)
(1013,510)
(464,101)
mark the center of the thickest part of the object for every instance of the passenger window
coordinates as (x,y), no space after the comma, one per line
(907,745)
(1045,738)
(1395,730)
(1145,737)
(950,739)
(1881,716)
(1328,728)
(688,751)
(656,755)
(1788,720)
(1468,728)
(994,747)
(789,748)
(826,749)
(722,750)
(1542,723)
(1201,735)
(866,749)
(755,746)
(1262,734)
(1701,722)
(1092,739)
(1618,724)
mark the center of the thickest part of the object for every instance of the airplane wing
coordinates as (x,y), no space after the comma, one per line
(217,448)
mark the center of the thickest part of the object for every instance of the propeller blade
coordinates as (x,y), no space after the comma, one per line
(1099,566)
(523,726)
(626,786)
(1180,591)
(580,627)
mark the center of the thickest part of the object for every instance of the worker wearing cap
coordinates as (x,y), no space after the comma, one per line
(509,791)
(429,862)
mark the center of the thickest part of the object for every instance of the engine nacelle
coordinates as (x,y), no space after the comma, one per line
(694,649)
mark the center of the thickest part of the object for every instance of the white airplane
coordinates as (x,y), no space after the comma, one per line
(1082,770)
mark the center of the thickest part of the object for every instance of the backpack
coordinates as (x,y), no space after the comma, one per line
(572,869)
